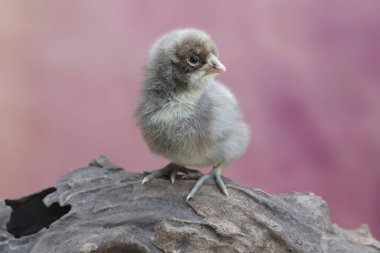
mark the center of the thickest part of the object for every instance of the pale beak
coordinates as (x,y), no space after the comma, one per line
(214,65)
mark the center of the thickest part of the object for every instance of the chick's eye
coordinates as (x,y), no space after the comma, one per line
(193,60)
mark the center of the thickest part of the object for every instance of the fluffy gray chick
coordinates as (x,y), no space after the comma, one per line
(184,114)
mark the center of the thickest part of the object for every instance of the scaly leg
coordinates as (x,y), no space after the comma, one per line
(215,174)
(170,170)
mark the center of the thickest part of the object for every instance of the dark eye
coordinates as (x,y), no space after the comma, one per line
(193,60)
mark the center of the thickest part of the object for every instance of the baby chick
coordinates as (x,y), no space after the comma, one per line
(184,114)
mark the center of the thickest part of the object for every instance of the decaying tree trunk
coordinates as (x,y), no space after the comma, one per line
(102,208)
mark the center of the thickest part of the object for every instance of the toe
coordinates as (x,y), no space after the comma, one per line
(197,186)
(220,183)
(192,175)
(153,174)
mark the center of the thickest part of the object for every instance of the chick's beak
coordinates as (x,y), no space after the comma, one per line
(214,65)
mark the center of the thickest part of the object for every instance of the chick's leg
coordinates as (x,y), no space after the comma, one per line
(215,174)
(170,170)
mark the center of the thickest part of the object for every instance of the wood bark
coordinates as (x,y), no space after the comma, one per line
(102,208)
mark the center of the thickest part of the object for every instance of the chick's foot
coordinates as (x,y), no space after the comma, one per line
(215,174)
(171,170)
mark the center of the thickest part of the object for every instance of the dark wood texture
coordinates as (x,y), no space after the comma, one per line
(103,208)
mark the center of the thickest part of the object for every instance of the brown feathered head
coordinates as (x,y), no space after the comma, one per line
(183,58)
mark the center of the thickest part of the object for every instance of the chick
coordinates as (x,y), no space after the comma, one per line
(184,114)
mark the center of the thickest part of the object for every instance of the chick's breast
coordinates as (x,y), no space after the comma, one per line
(201,131)
(178,130)
(230,133)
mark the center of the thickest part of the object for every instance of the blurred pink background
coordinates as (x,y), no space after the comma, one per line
(307,74)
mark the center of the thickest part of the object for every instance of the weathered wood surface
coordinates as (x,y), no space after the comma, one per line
(106,209)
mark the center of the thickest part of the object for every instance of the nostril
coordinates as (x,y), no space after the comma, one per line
(29,214)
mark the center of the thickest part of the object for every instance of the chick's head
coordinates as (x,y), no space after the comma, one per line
(185,56)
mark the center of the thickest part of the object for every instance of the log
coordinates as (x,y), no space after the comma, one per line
(103,208)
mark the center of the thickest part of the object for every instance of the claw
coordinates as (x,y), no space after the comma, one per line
(145,179)
(173,174)
(189,197)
